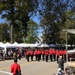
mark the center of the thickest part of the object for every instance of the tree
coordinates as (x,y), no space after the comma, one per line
(4,33)
(32,32)
(69,24)
(16,13)
(53,19)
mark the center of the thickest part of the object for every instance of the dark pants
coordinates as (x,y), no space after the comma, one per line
(43,56)
(46,58)
(54,57)
(51,57)
(36,56)
(27,56)
(40,56)
(57,57)
(31,57)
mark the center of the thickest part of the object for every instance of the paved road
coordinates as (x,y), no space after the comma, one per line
(30,68)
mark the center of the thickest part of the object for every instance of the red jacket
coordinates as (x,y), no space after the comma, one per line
(57,52)
(31,52)
(50,51)
(46,52)
(43,52)
(38,52)
(61,52)
(15,67)
(35,52)
(54,52)
(27,52)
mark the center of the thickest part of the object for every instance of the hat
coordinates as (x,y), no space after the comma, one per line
(59,69)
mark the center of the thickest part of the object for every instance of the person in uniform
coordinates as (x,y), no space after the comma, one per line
(27,55)
(57,53)
(43,54)
(46,54)
(54,54)
(31,55)
(15,68)
(40,54)
(51,54)
(36,55)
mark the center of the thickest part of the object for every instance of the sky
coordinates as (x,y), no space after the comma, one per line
(2,20)
(38,22)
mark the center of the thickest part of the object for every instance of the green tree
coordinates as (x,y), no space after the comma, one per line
(69,24)
(32,32)
(4,33)
(54,18)
(16,13)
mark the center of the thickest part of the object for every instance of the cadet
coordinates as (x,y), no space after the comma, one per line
(27,55)
(51,54)
(46,53)
(43,54)
(15,68)
(31,54)
(54,54)
(57,53)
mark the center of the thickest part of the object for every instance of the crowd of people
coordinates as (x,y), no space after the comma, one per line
(45,54)
(37,54)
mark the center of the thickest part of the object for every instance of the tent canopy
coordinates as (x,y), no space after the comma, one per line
(72,31)
(71,52)
(42,45)
(52,45)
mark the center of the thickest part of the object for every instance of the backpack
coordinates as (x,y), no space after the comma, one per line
(18,72)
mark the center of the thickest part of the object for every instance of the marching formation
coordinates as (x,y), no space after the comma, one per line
(45,54)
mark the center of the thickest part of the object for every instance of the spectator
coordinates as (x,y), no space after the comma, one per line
(15,68)
(61,63)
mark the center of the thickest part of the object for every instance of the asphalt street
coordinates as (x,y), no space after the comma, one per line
(30,68)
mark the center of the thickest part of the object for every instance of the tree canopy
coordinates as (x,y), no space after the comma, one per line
(55,19)
(32,32)
(17,14)
(55,15)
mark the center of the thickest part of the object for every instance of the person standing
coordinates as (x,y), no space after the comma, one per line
(43,53)
(51,54)
(54,54)
(40,54)
(27,55)
(15,68)
(19,55)
(57,53)
(46,53)
(61,53)
(31,55)
(61,63)
(36,55)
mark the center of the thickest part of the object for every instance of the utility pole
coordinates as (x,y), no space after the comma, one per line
(66,45)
